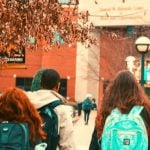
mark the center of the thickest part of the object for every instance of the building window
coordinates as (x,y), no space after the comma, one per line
(63,87)
(24,83)
(57,38)
(65,2)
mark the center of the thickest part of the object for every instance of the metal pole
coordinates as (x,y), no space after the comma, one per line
(142,69)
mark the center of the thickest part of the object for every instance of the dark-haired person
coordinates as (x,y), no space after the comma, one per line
(50,83)
(16,107)
(87,107)
(123,92)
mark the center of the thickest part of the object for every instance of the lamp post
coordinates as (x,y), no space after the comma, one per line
(142,44)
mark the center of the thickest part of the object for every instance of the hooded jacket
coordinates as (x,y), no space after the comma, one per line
(65,126)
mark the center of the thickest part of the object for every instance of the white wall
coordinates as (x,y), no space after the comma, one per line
(87,70)
(117,12)
(81,72)
(87,64)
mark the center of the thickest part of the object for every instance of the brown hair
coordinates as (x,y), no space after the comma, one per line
(16,107)
(123,93)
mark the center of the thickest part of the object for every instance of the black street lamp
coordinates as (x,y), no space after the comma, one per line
(142,44)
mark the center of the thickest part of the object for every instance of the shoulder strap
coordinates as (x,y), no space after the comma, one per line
(136,110)
(55,103)
(116,111)
(51,105)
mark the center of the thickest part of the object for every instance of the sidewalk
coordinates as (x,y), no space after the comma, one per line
(83,132)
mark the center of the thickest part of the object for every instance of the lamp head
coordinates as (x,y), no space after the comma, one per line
(142,44)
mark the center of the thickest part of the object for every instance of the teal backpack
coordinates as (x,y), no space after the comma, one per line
(14,136)
(87,104)
(124,131)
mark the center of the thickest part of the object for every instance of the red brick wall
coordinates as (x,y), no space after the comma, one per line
(62,59)
(113,51)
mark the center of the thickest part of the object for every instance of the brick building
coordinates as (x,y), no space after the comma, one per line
(83,69)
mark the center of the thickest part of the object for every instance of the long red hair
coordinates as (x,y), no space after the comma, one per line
(16,107)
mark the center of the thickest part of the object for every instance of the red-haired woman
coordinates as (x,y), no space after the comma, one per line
(123,92)
(16,107)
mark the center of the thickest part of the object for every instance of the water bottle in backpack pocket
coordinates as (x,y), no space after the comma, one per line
(124,131)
